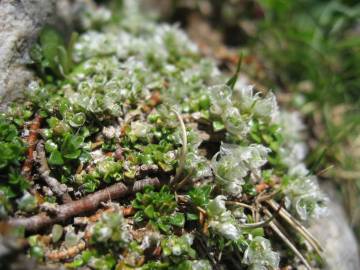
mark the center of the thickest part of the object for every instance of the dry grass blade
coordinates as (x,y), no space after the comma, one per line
(183,149)
(298,227)
(276,229)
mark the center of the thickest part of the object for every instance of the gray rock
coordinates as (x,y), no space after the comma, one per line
(20,21)
(336,236)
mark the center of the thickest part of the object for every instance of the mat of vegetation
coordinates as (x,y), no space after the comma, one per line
(134,151)
(308,52)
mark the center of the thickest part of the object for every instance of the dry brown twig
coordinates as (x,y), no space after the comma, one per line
(85,204)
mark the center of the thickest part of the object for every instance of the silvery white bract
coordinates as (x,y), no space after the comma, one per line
(221,220)
(259,255)
(303,195)
(232,163)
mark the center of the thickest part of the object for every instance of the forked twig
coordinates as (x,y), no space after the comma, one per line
(59,189)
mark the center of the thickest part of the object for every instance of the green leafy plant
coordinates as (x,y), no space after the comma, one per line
(11,146)
(158,208)
(70,149)
(51,53)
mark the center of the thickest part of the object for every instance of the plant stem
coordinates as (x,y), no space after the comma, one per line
(31,140)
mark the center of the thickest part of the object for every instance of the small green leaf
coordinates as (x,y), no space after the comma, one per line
(191,217)
(56,158)
(149,211)
(37,252)
(50,146)
(162,225)
(73,155)
(200,195)
(177,220)
(218,126)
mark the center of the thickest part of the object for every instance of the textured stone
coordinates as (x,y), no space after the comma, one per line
(20,21)
(336,236)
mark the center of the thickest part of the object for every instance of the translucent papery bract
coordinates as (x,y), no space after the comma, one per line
(111,228)
(221,220)
(92,15)
(200,265)
(267,108)
(220,96)
(175,40)
(234,122)
(260,256)
(244,97)
(197,165)
(228,168)
(304,196)
(298,170)
(217,206)
(232,163)
(254,155)
(225,228)
(294,153)
(229,175)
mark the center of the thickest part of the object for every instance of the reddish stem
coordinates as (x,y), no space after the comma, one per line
(32,139)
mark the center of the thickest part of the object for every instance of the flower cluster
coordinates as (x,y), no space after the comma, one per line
(232,163)
(221,220)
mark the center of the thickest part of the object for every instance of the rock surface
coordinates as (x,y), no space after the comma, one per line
(20,22)
(335,235)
